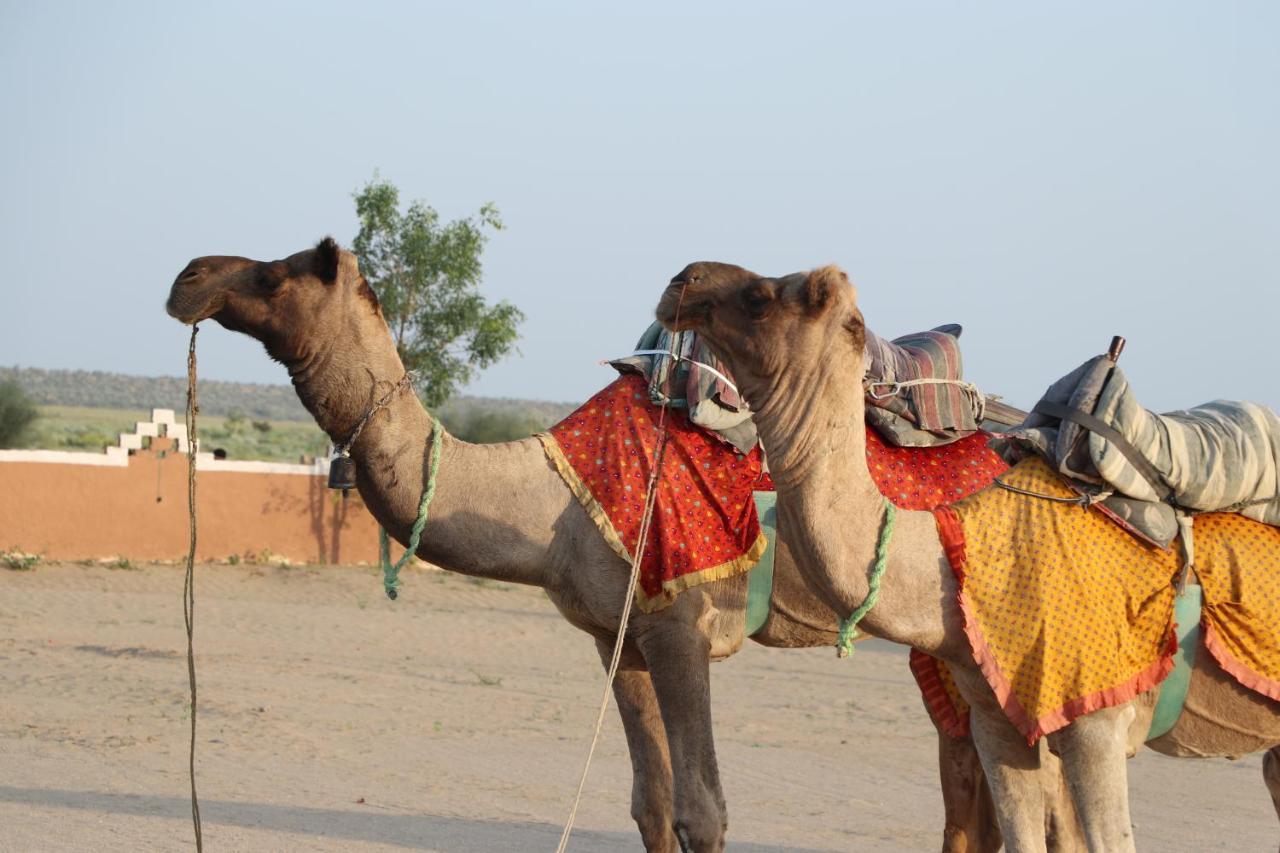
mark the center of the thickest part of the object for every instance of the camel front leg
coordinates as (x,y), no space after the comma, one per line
(1093,752)
(651,793)
(678,655)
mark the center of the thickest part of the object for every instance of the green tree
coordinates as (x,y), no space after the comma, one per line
(427,275)
(17,413)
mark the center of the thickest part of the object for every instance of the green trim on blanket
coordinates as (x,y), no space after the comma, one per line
(1173,690)
(760,585)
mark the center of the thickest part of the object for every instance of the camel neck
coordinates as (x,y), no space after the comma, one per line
(494,504)
(832,513)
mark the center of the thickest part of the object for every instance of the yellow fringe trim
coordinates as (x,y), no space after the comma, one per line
(670,588)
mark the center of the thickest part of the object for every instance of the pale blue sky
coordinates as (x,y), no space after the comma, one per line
(1045,174)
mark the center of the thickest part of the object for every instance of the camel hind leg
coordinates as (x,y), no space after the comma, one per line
(966,800)
(1271,773)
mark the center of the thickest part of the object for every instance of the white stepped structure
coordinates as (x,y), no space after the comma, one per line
(162,424)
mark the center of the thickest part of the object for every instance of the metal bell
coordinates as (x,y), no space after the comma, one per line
(342,472)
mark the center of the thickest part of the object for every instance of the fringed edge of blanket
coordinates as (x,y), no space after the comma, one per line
(951,530)
(670,588)
(1234,667)
(937,699)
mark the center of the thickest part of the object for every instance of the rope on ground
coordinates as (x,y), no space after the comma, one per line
(189,589)
(650,501)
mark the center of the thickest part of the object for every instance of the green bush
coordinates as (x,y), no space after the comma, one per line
(17,413)
(481,427)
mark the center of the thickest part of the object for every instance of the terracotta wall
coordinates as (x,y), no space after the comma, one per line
(134,504)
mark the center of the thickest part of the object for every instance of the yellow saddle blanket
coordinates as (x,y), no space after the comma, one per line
(1067,613)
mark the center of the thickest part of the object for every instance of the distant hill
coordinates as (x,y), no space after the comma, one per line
(103,390)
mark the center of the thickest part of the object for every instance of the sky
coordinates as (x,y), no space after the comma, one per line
(1046,175)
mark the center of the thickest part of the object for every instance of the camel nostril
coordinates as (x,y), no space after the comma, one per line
(189,274)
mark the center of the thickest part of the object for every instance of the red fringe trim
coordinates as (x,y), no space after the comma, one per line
(937,699)
(1241,673)
(951,532)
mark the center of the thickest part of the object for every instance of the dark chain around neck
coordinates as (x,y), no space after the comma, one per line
(405,382)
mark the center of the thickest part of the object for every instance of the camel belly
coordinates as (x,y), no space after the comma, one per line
(1221,717)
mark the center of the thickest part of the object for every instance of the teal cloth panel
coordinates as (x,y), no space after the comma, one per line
(1173,690)
(760,585)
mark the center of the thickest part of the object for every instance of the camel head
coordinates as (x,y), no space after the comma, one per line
(293,306)
(766,329)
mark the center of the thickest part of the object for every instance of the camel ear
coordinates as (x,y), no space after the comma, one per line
(325,261)
(821,287)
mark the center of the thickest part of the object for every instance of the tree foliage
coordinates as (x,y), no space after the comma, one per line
(427,275)
(17,413)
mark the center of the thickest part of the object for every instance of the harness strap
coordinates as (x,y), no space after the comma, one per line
(1100,428)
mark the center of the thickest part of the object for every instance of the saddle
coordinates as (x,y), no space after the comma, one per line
(915,393)
(1150,469)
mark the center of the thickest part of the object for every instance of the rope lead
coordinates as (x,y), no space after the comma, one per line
(849,627)
(390,571)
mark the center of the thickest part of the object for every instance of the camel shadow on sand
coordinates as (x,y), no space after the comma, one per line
(367,824)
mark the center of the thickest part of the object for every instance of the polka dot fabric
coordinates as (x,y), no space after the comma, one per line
(1238,561)
(921,478)
(1066,613)
(704,524)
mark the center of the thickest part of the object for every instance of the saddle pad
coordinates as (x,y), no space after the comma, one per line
(704,525)
(1067,614)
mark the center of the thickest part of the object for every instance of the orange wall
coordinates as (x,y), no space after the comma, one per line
(72,511)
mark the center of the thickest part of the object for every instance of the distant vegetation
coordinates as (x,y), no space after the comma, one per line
(86,410)
(16,414)
(101,390)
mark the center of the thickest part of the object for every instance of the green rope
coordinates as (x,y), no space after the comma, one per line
(849,627)
(390,572)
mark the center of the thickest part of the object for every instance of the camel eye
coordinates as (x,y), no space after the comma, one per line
(757,298)
(271,276)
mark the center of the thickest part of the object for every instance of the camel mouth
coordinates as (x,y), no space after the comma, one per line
(677,312)
(191,309)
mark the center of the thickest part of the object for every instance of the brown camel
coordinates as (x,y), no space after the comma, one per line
(502,512)
(795,347)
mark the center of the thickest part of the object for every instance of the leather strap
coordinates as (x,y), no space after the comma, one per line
(1104,430)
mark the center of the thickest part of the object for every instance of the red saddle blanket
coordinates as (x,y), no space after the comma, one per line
(704,524)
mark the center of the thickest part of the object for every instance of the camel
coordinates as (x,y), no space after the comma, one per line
(795,346)
(502,512)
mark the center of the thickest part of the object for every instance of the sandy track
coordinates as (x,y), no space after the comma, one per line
(455,719)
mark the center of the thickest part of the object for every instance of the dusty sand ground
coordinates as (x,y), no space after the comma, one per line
(455,719)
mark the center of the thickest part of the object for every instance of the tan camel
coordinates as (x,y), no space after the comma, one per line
(795,347)
(502,512)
